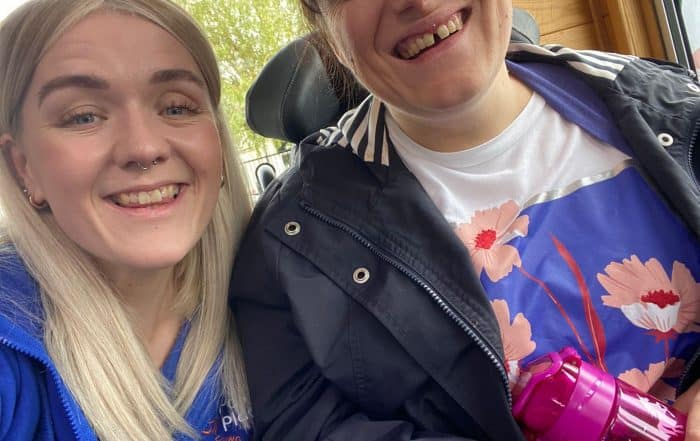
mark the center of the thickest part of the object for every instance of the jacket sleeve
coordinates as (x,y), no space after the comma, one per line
(291,398)
(20,407)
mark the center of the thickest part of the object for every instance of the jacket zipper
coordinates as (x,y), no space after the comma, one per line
(691,151)
(686,371)
(56,380)
(444,305)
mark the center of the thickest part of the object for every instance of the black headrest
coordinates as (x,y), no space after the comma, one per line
(293,95)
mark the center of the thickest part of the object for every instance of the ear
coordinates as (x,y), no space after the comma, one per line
(16,159)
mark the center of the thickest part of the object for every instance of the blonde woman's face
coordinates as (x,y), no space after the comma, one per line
(118,137)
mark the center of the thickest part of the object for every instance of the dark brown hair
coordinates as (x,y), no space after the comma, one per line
(347,89)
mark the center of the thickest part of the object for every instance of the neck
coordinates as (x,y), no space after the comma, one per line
(471,124)
(149,296)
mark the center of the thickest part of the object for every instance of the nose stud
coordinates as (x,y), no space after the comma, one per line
(146,168)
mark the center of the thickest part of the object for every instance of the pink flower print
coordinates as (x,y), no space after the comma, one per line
(517,338)
(485,237)
(651,301)
(650,381)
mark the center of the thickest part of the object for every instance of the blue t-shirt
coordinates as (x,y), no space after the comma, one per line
(208,415)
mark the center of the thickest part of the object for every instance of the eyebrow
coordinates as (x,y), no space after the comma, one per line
(164,76)
(93,82)
(65,81)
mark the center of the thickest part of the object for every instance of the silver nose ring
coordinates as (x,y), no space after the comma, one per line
(144,168)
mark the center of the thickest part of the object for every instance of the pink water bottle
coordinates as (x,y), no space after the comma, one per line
(564,398)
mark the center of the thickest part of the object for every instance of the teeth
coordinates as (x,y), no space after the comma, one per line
(451,27)
(409,49)
(413,49)
(141,198)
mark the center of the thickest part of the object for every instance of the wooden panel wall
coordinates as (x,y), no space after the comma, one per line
(625,26)
(566,22)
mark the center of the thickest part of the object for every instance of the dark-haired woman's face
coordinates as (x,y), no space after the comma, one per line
(421,56)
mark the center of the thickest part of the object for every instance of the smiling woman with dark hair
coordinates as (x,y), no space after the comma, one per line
(486,204)
(124,204)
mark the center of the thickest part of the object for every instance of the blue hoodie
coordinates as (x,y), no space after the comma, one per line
(35,404)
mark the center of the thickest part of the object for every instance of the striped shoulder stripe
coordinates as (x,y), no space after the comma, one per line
(363,129)
(594,63)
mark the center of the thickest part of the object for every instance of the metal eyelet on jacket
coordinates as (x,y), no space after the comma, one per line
(694,87)
(292,228)
(665,139)
(361,275)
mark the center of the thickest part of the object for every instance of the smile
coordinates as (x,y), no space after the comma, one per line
(161,195)
(415,45)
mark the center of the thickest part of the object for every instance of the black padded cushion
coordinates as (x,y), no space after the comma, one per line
(293,97)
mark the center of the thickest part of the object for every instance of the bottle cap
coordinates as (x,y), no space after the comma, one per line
(581,409)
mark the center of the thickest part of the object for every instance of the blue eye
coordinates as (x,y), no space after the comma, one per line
(79,119)
(180,110)
(176,110)
(86,118)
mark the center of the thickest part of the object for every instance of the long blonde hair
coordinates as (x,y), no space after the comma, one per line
(87,330)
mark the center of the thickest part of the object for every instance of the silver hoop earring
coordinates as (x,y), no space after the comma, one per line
(37,206)
(222,181)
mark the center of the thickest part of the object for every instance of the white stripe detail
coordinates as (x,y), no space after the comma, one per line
(359,134)
(599,60)
(349,122)
(610,56)
(592,70)
(385,147)
(586,62)
(372,130)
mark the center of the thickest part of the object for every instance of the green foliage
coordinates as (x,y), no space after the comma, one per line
(245,34)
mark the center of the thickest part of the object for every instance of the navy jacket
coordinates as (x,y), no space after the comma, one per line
(357,317)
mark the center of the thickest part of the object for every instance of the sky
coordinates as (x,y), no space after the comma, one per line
(7,6)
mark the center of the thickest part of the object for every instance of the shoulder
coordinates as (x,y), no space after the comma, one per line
(13,273)
(19,294)
(21,390)
(321,152)
(611,73)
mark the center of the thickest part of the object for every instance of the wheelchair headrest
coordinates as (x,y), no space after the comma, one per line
(293,96)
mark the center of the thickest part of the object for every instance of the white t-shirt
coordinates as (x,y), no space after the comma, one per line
(539,153)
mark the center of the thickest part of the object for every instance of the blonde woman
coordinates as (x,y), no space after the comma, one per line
(123,205)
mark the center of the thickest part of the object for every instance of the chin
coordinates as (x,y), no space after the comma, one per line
(154,261)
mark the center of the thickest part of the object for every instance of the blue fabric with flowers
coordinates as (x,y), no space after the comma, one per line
(572,245)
